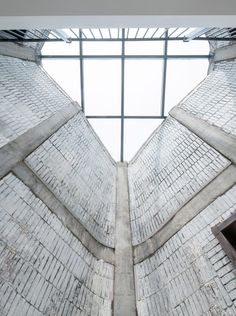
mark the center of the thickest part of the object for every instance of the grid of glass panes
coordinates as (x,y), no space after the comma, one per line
(126,87)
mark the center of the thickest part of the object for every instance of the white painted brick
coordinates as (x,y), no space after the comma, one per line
(38,276)
(199,275)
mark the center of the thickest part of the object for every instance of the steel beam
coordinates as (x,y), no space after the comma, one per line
(122,96)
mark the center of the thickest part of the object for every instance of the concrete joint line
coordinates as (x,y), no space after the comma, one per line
(27,176)
(16,150)
(216,138)
(18,51)
(218,186)
(124,292)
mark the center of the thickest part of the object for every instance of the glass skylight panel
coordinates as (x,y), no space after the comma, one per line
(61,48)
(105,33)
(86,33)
(188,48)
(102,48)
(182,77)
(109,133)
(114,32)
(136,132)
(66,73)
(96,33)
(143,84)
(143,78)
(159,33)
(144,48)
(102,87)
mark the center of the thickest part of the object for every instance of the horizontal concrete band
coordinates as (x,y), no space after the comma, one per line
(24,173)
(16,150)
(14,50)
(222,183)
(224,53)
(218,139)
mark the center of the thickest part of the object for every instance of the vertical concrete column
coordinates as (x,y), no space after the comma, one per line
(124,293)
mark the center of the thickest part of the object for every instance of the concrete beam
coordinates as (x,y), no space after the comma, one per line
(16,150)
(124,293)
(218,139)
(26,175)
(123,7)
(222,183)
(18,51)
(225,53)
(112,20)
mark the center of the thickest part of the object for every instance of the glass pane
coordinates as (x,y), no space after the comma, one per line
(101,48)
(60,48)
(182,77)
(144,48)
(143,81)
(102,86)
(108,130)
(136,133)
(66,73)
(188,48)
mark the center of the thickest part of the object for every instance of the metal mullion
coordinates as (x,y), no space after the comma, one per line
(57,39)
(146,32)
(76,36)
(184,31)
(17,36)
(31,37)
(122,96)
(110,33)
(81,72)
(127,36)
(126,57)
(164,75)
(125,117)
(152,37)
(92,33)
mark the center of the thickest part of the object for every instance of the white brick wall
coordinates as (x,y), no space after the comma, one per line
(190,274)
(82,175)
(27,97)
(44,269)
(214,99)
(172,167)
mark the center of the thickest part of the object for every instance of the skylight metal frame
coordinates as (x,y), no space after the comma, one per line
(122,37)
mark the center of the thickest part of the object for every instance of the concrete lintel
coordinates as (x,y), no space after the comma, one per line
(218,139)
(17,149)
(18,51)
(222,183)
(124,293)
(225,53)
(25,174)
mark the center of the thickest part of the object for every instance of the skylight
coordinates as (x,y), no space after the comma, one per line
(126,80)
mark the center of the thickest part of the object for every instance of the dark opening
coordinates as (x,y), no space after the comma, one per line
(230,234)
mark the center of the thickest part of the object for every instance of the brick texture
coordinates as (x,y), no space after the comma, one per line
(172,167)
(77,168)
(44,269)
(27,97)
(214,99)
(190,274)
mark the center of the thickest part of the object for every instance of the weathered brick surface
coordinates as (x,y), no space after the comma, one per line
(214,99)
(190,274)
(172,167)
(79,171)
(44,269)
(27,97)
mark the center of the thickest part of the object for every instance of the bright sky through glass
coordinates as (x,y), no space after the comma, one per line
(142,83)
